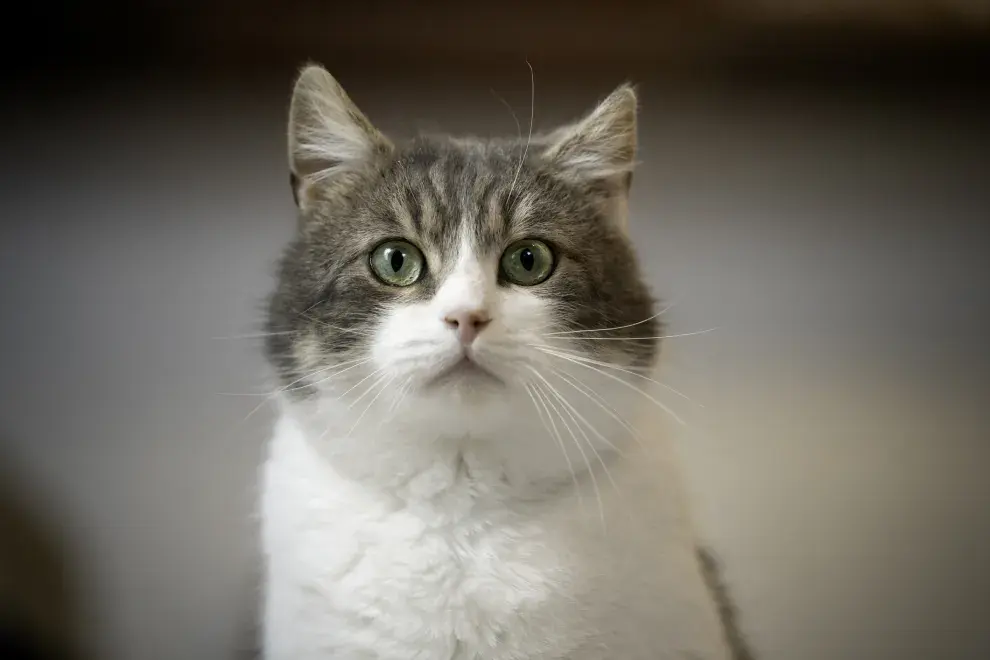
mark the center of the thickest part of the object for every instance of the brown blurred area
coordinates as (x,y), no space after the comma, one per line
(38,616)
(669,34)
(687,37)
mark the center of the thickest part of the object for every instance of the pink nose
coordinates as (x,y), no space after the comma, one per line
(468,324)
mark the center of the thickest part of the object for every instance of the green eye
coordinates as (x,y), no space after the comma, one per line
(527,262)
(397,263)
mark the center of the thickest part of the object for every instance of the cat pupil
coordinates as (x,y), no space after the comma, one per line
(396,259)
(527,259)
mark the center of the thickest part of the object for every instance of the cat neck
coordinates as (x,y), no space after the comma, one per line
(417,458)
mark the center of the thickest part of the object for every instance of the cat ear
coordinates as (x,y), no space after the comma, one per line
(601,147)
(328,134)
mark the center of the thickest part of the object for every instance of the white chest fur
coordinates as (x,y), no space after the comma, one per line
(445,566)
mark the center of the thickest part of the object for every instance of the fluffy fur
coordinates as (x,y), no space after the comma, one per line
(506,499)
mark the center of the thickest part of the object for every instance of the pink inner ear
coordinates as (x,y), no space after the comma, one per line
(602,146)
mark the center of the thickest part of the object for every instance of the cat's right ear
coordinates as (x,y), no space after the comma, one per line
(328,135)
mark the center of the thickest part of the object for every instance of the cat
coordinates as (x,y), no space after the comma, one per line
(464,463)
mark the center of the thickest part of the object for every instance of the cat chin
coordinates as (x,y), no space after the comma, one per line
(464,375)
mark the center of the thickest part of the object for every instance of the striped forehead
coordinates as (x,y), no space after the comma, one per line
(456,201)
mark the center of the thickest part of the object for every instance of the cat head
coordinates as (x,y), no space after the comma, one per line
(456,278)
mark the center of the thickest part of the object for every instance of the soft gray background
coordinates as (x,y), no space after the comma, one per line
(836,238)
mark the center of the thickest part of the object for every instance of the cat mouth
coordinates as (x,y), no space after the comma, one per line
(464,372)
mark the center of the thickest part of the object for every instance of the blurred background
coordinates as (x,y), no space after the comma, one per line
(814,183)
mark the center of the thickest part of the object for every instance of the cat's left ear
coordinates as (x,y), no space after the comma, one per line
(599,149)
(329,136)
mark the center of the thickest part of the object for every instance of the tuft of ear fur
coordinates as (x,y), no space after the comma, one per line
(328,134)
(601,147)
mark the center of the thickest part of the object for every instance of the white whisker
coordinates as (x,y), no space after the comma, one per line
(584,455)
(363,394)
(400,396)
(556,436)
(621,327)
(257,335)
(659,404)
(239,394)
(285,388)
(622,369)
(354,364)
(372,402)
(567,404)
(313,306)
(511,112)
(682,334)
(584,353)
(351,388)
(571,412)
(354,331)
(371,387)
(598,400)
(532,115)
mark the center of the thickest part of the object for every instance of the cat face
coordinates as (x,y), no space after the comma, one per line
(456,276)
